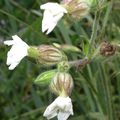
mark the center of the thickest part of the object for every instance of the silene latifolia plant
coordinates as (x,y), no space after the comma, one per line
(60,80)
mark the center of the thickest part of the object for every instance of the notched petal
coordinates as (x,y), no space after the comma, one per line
(9,42)
(17,52)
(52,14)
(62,107)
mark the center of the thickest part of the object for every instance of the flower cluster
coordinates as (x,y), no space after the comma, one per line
(61,82)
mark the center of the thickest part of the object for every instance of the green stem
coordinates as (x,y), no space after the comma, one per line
(96,96)
(94,33)
(108,96)
(105,20)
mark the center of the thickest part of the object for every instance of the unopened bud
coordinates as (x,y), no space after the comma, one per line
(67,48)
(62,84)
(45,77)
(77,8)
(46,54)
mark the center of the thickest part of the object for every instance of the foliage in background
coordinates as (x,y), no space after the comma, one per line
(96,94)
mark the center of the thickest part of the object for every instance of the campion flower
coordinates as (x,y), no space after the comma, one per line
(43,54)
(17,52)
(53,12)
(61,85)
(77,8)
(61,107)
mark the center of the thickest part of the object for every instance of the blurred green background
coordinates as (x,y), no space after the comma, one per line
(96,94)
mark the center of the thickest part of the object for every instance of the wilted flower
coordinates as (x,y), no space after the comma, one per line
(17,52)
(107,49)
(61,107)
(50,55)
(52,14)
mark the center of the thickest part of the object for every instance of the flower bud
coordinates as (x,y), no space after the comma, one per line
(62,84)
(45,77)
(67,48)
(47,54)
(77,8)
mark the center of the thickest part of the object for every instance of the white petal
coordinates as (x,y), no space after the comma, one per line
(46,22)
(51,111)
(63,115)
(9,60)
(53,7)
(51,27)
(49,5)
(9,42)
(49,24)
(17,52)
(16,38)
(52,14)
(50,116)
(65,107)
(12,66)
(58,17)
(61,106)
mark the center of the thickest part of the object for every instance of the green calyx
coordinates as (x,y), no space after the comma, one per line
(33,52)
(63,66)
(62,84)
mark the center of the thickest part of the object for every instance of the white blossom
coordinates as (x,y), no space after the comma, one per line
(61,107)
(53,12)
(17,52)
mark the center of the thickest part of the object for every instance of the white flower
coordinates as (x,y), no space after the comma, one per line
(17,52)
(52,14)
(61,107)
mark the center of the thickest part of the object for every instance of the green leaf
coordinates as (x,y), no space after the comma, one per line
(45,77)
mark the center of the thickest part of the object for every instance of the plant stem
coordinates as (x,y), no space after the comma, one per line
(108,96)
(79,63)
(94,32)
